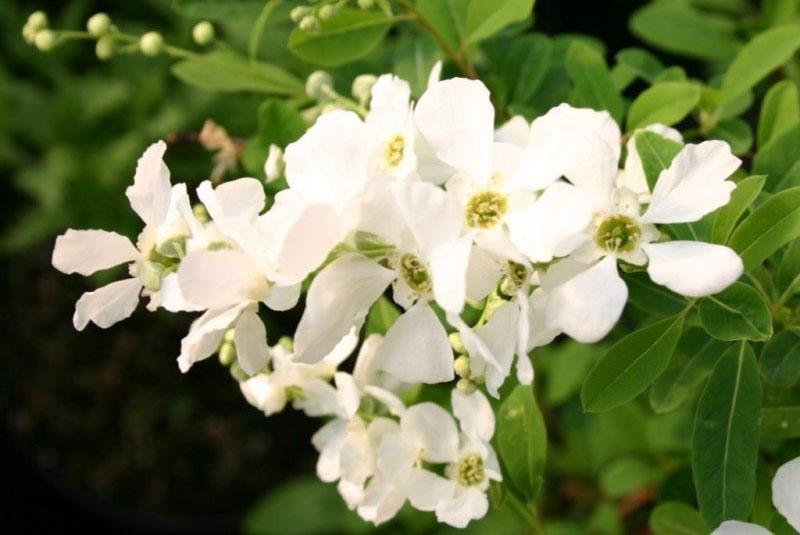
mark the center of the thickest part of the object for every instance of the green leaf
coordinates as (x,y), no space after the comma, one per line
(760,56)
(676,518)
(789,270)
(641,62)
(670,74)
(522,441)
(780,422)
(631,365)
(736,313)
(667,103)
(303,506)
(736,132)
(652,298)
(348,35)
(696,355)
(656,153)
(725,438)
(592,80)
(564,366)
(679,28)
(768,228)
(381,317)
(742,199)
(487,17)
(221,10)
(779,159)
(448,17)
(526,66)
(227,71)
(625,475)
(780,359)
(279,123)
(779,110)
(413,62)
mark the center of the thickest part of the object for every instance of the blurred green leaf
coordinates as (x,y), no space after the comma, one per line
(381,316)
(641,62)
(526,64)
(679,28)
(565,366)
(279,123)
(736,132)
(768,228)
(675,518)
(228,71)
(218,9)
(522,442)
(487,17)
(303,506)
(780,422)
(348,35)
(780,110)
(742,199)
(725,439)
(779,159)
(736,313)
(656,153)
(625,475)
(631,365)
(667,103)
(789,269)
(696,355)
(780,359)
(592,80)
(652,298)
(413,62)
(759,57)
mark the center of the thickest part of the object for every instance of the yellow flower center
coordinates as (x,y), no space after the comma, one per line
(485,209)
(394,150)
(470,470)
(618,234)
(415,273)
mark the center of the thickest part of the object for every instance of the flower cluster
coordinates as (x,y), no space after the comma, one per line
(529,223)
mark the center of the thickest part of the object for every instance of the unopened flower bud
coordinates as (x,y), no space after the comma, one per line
(227,354)
(44,40)
(203,33)
(28,33)
(229,335)
(237,372)
(150,275)
(309,24)
(286,343)
(105,47)
(461,366)
(457,343)
(319,85)
(362,87)
(151,43)
(200,213)
(98,24)
(274,166)
(37,21)
(466,386)
(298,13)
(366,4)
(325,12)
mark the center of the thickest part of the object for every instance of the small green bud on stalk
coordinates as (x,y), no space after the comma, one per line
(44,40)
(457,343)
(203,33)
(325,12)
(298,13)
(309,24)
(200,213)
(461,366)
(227,354)
(319,85)
(366,4)
(105,47)
(362,87)
(229,335)
(151,44)
(286,343)
(37,21)
(466,386)
(98,24)
(237,372)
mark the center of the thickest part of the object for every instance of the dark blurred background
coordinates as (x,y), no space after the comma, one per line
(101,431)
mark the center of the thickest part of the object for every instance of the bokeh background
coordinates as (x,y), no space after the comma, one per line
(102,433)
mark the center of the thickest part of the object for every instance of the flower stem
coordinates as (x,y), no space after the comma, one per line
(528,513)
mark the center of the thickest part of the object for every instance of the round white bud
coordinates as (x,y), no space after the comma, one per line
(325,12)
(37,21)
(298,13)
(366,4)
(310,24)
(319,85)
(203,33)
(466,386)
(98,24)
(44,40)
(362,86)
(461,366)
(151,44)
(105,47)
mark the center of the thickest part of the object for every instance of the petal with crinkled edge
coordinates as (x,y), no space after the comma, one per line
(150,193)
(107,305)
(87,251)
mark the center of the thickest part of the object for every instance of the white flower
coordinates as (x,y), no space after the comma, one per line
(168,220)
(737,527)
(786,492)
(586,293)
(422,227)
(632,174)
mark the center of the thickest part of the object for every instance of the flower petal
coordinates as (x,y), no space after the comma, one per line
(107,305)
(632,176)
(514,131)
(150,193)
(448,265)
(541,229)
(328,441)
(416,348)
(474,413)
(785,493)
(456,118)
(471,504)
(205,335)
(693,269)
(694,184)
(250,337)
(87,251)
(432,431)
(588,305)
(737,527)
(221,278)
(381,501)
(425,489)
(338,299)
